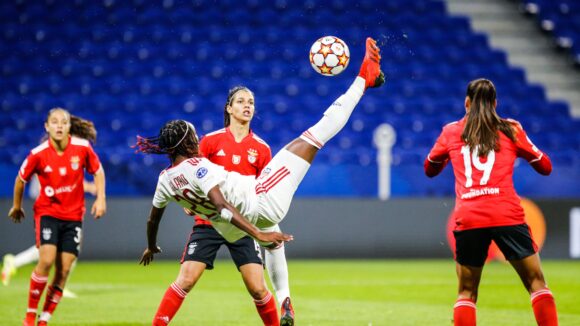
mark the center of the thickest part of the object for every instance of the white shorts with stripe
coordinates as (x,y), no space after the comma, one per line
(276,186)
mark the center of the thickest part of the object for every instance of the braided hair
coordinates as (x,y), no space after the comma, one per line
(230,100)
(176,137)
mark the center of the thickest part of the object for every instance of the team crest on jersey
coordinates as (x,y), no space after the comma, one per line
(62,171)
(266,171)
(201,172)
(46,233)
(191,248)
(236,159)
(74,162)
(252,155)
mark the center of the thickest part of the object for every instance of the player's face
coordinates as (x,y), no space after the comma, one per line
(58,125)
(241,108)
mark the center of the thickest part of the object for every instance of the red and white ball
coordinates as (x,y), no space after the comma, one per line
(329,56)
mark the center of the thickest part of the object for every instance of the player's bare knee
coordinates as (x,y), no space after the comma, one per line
(44,264)
(258,293)
(185,283)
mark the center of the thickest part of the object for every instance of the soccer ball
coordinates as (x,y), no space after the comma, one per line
(329,56)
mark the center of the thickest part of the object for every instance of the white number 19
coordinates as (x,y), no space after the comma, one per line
(485,167)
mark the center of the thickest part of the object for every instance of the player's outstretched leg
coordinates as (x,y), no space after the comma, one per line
(289,166)
(337,115)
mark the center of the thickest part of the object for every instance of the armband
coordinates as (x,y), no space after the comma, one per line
(226,215)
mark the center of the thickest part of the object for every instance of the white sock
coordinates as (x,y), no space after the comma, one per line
(45,316)
(277,268)
(26,257)
(336,116)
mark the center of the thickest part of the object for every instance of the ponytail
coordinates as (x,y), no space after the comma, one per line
(82,128)
(482,122)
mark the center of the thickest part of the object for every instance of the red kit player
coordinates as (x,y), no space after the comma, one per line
(238,149)
(482,148)
(60,163)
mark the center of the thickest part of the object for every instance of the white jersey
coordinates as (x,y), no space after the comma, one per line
(263,201)
(189,183)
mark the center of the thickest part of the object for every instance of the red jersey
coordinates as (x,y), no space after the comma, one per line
(485,194)
(248,157)
(61,177)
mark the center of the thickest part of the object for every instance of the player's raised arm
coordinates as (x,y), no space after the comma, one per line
(155,216)
(230,213)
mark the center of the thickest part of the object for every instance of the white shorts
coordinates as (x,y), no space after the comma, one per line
(276,186)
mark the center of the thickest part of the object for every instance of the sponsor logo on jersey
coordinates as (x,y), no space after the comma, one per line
(64,189)
(191,248)
(480,192)
(48,191)
(47,169)
(236,159)
(74,162)
(46,233)
(62,171)
(201,172)
(221,153)
(252,155)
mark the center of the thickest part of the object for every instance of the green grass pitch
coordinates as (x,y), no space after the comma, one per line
(325,292)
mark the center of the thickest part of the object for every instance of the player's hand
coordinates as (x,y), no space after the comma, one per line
(99,208)
(148,254)
(276,238)
(16,214)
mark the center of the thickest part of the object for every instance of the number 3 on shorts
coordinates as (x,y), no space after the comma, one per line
(474,157)
(78,237)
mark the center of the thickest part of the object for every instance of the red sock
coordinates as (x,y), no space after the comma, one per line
(464,312)
(268,310)
(53,296)
(544,308)
(37,285)
(169,305)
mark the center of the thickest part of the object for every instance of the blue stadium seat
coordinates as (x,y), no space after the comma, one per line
(131,65)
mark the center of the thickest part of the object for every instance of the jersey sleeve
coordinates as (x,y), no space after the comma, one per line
(529,152)
(438,156)
(93,164)
(205,175)
(28,167)
(160,198)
